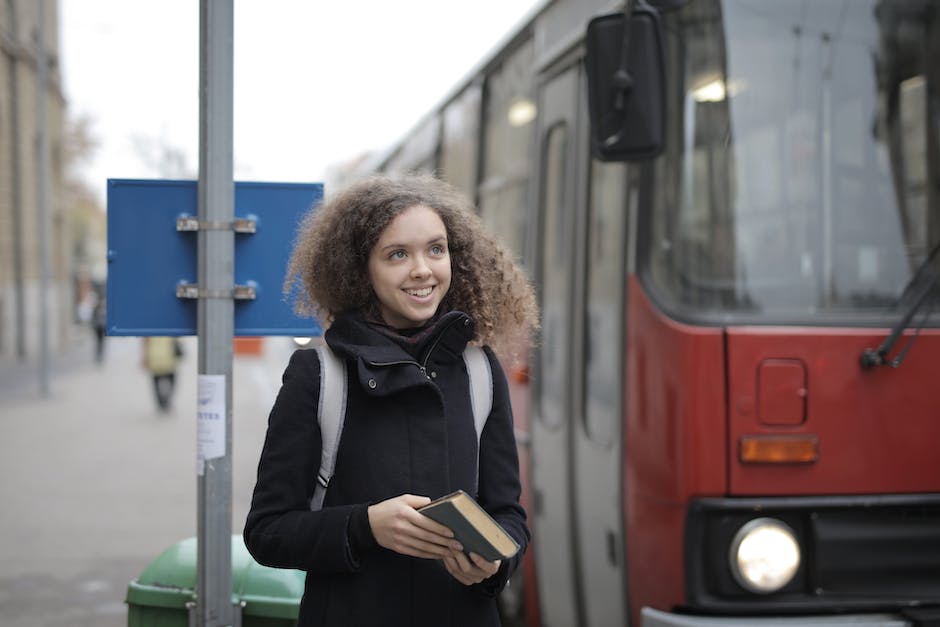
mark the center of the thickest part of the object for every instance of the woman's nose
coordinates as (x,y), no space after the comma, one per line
(420,267)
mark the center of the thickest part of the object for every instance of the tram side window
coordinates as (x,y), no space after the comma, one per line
(554,273)
(911,134)
(605,283)
(460,144)
(510,112)
(909,124)
(692,259)
(419,152)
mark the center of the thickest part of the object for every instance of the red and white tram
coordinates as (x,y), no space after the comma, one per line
(729,415)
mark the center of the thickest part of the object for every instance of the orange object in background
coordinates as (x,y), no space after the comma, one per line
(248,345)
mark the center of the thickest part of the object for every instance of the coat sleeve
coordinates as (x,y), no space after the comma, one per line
(499,487)
(280,530)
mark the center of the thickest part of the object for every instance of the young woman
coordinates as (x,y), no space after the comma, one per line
(404,276)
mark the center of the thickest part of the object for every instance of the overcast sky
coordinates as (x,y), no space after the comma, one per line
(317,82)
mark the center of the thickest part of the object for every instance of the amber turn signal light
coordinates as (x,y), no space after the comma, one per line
(778,449)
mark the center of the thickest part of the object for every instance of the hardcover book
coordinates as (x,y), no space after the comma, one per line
(472,526)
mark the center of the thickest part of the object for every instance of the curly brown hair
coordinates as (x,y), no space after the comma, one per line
(328,271)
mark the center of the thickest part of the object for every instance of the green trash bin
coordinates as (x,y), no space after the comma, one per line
(165,593)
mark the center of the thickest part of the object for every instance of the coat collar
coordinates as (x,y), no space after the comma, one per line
(383,366)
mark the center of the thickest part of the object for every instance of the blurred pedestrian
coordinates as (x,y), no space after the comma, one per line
(160,359)
(99,319)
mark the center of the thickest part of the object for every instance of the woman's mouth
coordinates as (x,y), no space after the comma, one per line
(422,292)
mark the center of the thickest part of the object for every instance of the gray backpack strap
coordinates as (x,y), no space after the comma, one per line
(331,413)
(481,392)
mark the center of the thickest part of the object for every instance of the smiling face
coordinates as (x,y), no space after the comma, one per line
(409,267)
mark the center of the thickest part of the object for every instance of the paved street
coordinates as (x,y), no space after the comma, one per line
(95,482)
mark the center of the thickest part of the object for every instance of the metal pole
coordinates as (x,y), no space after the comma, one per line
(43,177)
(16,185)
(215,312)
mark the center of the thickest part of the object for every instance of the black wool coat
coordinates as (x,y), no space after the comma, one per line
(408,429)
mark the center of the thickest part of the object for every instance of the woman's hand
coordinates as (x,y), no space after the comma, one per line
(469,571)
(397,525)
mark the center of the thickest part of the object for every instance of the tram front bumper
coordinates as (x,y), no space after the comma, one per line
(657,618)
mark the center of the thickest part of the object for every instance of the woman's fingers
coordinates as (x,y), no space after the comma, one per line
(487,567)
(469,571)
(397,525)
(421,544)
(432,526)
(453,567)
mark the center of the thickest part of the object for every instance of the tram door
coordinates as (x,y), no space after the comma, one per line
(576,467)
(551,409)
(597,416)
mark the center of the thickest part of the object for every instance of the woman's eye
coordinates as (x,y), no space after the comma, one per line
(437,249)
(398,254)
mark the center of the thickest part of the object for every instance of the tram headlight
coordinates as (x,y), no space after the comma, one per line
(764,555)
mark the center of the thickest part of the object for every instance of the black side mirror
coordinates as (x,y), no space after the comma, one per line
(626,86)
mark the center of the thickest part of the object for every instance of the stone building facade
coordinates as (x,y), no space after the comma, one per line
(22,264)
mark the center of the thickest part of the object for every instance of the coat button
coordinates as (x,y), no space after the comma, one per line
(434,374)
(372,383)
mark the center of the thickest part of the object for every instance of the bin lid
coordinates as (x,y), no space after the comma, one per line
(170,581)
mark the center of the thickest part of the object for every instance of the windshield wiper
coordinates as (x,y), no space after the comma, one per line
(924,280)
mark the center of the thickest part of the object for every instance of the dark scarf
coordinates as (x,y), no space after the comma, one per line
(411,339)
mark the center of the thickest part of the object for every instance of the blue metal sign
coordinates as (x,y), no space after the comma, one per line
(149,259)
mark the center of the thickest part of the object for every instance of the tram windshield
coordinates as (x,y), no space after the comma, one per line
(801,176)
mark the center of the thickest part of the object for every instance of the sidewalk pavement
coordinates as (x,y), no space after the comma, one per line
(95,482)
(21,379)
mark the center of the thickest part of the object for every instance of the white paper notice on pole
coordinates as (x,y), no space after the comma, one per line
(210,423)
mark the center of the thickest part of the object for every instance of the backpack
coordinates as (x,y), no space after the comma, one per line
(331,408)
